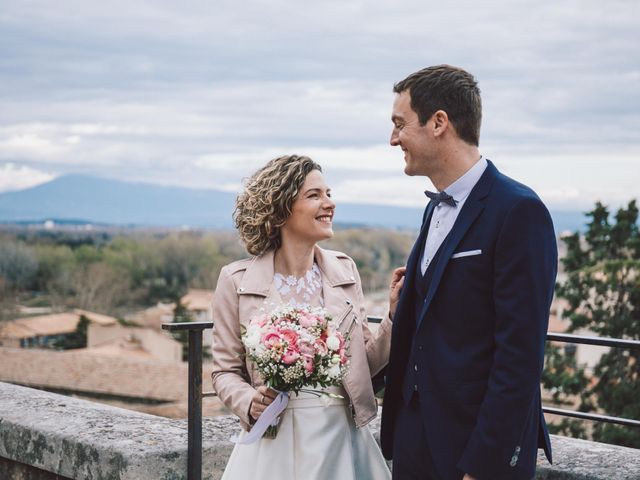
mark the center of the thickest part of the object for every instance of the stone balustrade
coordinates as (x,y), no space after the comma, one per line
(49,436)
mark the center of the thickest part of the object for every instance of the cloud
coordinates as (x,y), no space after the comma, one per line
(395,189)
(197,94)
(18,177)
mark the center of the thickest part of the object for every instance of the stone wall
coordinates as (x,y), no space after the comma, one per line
(45,436)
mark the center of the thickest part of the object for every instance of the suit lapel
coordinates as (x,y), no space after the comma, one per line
(414,257)
(470,211)
(413,262)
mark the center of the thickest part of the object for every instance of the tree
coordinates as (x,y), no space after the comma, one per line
(98,286)
(77,339)
(376,253)
(18,266)
(603,293)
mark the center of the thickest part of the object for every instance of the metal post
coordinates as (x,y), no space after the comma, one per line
(194,462)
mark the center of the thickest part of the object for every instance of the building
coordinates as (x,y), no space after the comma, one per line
(199,304)
(43,331)
(145,343)
(153,317)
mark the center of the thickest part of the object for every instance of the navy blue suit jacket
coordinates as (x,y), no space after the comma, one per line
(479,340)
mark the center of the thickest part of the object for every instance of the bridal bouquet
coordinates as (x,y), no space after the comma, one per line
(294,348)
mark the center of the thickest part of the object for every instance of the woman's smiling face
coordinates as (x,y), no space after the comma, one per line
(311,218)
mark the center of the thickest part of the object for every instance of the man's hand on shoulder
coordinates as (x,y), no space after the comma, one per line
(468,477)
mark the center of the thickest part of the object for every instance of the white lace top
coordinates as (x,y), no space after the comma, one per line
(303,291)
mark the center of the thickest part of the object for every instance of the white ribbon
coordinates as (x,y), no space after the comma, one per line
(268,417)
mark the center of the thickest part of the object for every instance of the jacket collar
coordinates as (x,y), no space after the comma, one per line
(334,269)
(258,278)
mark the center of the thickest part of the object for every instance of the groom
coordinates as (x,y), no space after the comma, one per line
(462,398)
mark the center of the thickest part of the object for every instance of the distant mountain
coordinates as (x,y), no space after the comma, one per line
(83,199)
(100,200)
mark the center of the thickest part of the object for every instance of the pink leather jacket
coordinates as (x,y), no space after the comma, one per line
(247,285)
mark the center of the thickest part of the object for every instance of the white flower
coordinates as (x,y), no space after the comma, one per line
(333,343)
(334,371)
(335,359)
(252,340)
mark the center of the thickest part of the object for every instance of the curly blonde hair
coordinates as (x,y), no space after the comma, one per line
(265,205)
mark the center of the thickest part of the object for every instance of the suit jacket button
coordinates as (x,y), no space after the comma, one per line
(415,367)
(514,461)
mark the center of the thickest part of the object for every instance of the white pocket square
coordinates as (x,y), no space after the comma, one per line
(468,253)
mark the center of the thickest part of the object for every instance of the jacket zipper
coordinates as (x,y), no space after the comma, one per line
(344,314)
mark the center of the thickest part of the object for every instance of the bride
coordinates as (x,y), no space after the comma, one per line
(285,209)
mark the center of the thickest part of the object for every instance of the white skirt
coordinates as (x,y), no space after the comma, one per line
(317,440)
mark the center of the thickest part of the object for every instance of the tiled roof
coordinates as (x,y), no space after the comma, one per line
(75,370)
(198,299)
(153,317)
(97,317)
(53,324)
(119,347)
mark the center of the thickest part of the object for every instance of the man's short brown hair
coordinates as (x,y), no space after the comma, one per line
(452,89)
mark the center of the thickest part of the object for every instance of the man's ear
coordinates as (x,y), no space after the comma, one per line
(440,122)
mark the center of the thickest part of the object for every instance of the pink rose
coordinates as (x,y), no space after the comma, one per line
(271,338)
(308,364)
(291,337)
(290,356)
(308,321)
(306,349)
(321,347)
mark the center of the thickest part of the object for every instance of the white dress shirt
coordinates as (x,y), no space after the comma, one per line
(444,215)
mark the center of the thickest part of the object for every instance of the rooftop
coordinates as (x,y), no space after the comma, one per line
(131,376)
(196,299)
(53,324)
(153,317)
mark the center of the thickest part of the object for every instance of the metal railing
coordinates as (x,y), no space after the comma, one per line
(194,422)
(195,329)
(604,342)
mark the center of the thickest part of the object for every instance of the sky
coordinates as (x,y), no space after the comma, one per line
(202,93)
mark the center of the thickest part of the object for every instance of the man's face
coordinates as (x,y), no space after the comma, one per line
(415,140)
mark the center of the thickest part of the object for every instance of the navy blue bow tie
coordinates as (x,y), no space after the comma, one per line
(443,196)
